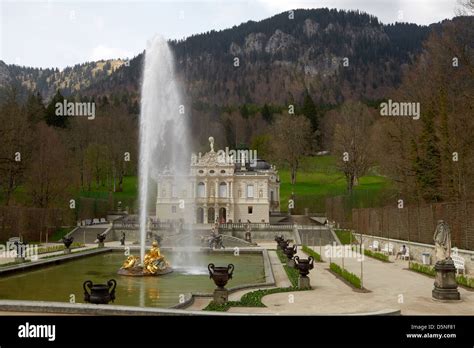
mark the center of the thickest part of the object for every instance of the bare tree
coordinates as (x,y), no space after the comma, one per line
(51,177)
(351,141)
(291,141)
(15,144)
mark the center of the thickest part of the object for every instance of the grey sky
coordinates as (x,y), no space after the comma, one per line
(59,34)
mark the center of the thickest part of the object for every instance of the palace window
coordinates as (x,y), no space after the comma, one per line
(201,190)
(173,209)
(173,191)
(250,210)
(249,191)
(222,189)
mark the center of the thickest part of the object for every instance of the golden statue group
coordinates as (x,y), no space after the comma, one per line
(153,264)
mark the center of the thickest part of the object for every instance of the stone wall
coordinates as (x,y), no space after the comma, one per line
(416,250)
(267,235)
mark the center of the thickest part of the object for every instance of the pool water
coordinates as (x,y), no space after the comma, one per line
(63,282)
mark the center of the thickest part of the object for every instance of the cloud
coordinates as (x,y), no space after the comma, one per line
(104,52)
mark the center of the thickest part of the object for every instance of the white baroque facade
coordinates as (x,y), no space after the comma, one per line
(218,189)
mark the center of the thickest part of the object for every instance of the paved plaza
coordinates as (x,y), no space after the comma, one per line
(391,287)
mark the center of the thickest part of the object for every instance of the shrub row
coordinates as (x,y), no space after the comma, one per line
(376,255)
(312,253)
(350,277)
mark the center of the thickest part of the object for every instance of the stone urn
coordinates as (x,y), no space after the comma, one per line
(304,265)
(220,275)
(279,239)
(290,251)
(101,238)
(282,244)
(67,241)
(99,293)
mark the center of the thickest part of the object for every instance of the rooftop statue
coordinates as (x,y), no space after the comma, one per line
(211,141)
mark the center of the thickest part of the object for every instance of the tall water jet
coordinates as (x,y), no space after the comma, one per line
(163,127)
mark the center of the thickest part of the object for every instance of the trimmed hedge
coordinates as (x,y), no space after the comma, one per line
(350,277)
(430,271)
(465,281)
(376,255)
(250,299)
(425,269)
(312,253)
(54,248)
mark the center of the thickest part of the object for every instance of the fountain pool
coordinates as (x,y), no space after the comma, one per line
(59,282)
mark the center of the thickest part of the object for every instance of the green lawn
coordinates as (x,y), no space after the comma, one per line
(130,190)
(319,178)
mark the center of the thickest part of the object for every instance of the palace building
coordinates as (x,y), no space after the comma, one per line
(221,186)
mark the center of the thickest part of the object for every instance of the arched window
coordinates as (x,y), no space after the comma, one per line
(222,189)
(201,190)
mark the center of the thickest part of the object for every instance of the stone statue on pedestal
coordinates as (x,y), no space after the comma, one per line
(445,285)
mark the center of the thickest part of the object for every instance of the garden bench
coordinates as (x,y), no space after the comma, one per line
(459,263)
(388,249)
(375,245)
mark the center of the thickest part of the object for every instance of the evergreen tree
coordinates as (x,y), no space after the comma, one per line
(427,164)
(310,111)
(51,118)
(267,114)
(34,108)
(244,111)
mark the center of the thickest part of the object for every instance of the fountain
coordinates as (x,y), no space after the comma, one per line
(163,145)
(153,264)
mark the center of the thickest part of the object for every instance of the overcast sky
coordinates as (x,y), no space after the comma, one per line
(59,34)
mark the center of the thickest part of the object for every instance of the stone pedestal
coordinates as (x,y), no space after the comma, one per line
(304,283)
(290,263)
(101,244)
(19,259)
(67,251)
(221,295)
(445,285)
